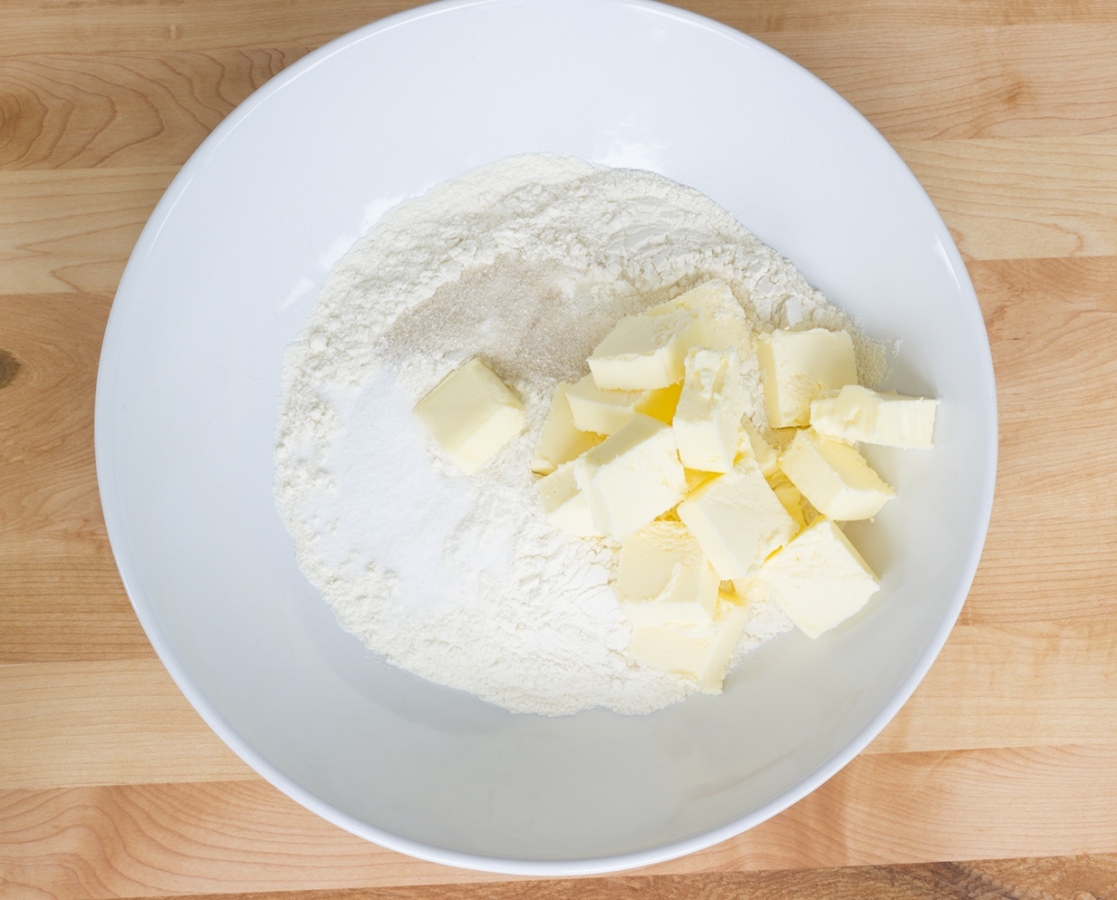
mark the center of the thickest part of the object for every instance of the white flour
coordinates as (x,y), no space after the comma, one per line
(526,263)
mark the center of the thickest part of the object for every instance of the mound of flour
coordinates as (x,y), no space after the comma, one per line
(526,263)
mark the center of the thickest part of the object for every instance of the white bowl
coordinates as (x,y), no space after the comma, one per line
(221,280)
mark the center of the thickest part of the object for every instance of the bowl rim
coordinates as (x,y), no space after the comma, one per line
(117,530)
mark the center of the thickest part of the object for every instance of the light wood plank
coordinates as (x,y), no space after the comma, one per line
(1049,554)
(48,490)
(74,229)
(920,807)
(1013,82)
(245,836)
(66,608)
(901,15)
(125,723)
(1053,878)
(118,722)
(1057,878)
(97,26)
(156,108)
(137,110)
(1022,198)
(166,839)
(1013,686)
(100,26)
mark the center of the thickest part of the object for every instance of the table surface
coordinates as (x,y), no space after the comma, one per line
(997,779)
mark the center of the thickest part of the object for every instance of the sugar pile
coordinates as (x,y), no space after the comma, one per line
(526,263)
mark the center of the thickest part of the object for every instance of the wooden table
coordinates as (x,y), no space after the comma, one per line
(111,785)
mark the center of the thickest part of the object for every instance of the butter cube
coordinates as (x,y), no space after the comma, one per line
(857,414)
(699,654)
(604,412)
(560,440)
(819,579)
(632,477)
(834,477)
(797,366)
(790,498)
(664,578)
(708,417)
(471,415)
(695,479)
(726,323)
(737,519)
(752,442)
(565,505)
(644,352)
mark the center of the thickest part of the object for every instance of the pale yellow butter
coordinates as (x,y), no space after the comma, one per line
(789,496)
(834,477)
(797,366)
(643,352)
(632,477)
(471,415)
(708,416)
(819,579)
(695,479)
(664,577)
(700,654)
(605,412)
(726,323)
(857,414)
(753,443)
(564,504)
(560,440)
(737,519)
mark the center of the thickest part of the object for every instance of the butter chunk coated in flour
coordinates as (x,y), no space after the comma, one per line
(834,477)
(700,654)
(605,412)
(726,323)
(797,366)
(471,415)
(767,457)
(891,420)
(737,519)
(565,504)
(708,416)
(632,477)
(560,441)
(647,351)
(664,578)
(819,579)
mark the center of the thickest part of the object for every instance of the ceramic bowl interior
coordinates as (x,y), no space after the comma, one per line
(222,279)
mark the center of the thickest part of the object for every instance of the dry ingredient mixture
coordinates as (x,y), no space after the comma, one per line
(527,263)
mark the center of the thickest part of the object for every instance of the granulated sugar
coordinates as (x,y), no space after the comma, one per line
(526,263)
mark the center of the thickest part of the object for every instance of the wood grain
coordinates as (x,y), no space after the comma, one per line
(74,229)
(1051,325)
(244,836)
(965,83)
(119,722)
(64,608)
(147,109)
(1059,878)
(1060,689)
(129,111)
(48,492)
(99,26)
(1022,198)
